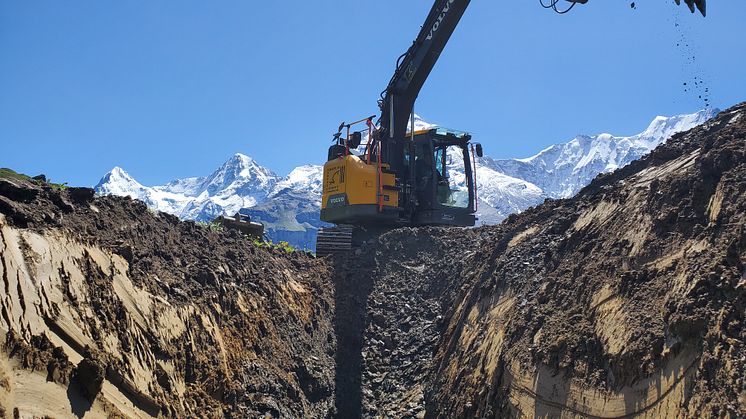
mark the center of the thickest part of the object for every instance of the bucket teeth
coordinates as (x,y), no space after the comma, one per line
(700,5)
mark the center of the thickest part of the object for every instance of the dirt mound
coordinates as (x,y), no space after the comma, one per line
(627,300)
(109,307)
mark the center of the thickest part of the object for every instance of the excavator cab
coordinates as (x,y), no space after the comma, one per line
(443,178)
(362,195)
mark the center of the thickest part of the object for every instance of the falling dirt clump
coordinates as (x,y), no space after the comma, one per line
(627,300)
(114,309)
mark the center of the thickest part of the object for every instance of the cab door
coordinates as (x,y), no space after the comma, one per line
(424,176)
(453,180)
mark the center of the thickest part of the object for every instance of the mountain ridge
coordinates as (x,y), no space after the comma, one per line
(505,186)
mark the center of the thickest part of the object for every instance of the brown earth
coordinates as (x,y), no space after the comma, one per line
(114,309)
(627,300)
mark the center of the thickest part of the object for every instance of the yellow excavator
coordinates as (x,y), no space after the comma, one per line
(384,174)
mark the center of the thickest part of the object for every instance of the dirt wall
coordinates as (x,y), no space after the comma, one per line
(111,309)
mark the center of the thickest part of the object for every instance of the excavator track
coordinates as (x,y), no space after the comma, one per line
(334,240)
(345,238)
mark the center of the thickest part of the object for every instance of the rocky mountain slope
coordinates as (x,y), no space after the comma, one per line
(627,300)
(289,206)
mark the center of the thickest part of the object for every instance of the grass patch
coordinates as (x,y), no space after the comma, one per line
(213,225)
(6,173)
(12,174)
(283,245)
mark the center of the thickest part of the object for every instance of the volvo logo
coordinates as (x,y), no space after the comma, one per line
(437,23)
(336,201)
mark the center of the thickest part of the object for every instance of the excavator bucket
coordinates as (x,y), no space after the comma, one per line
(699,4)
(243,223)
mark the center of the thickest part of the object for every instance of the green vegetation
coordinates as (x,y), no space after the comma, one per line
(283,245)
(216,226)
(38,180)
(58,186)
(213,225)
(11,174)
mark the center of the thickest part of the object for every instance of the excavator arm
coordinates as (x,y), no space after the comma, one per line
(399,180)
(414,66)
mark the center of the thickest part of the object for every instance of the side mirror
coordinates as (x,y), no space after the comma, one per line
(356,139)
(480,153)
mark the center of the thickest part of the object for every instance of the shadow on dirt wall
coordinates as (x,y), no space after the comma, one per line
(352,287)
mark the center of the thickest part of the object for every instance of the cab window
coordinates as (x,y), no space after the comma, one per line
(452,190)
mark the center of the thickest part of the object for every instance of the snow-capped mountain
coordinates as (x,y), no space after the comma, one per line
(239,183)
(161,198)
(507,186)
(305,178)
(289,205)
(562,170)
(119,182)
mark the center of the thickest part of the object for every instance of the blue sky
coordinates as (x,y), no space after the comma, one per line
(170,89)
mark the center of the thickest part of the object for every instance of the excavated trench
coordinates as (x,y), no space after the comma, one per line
(627,300)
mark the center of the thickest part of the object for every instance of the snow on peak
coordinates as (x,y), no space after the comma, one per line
(119,172)
(119,182)
(663,128)
(420,124)
(563,169)
(241,160)
(306,179)
(240,182)
(239,173)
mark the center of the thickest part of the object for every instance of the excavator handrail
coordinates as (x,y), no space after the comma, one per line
(474,175)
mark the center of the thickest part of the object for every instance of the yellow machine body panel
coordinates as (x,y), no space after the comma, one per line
(351,190)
